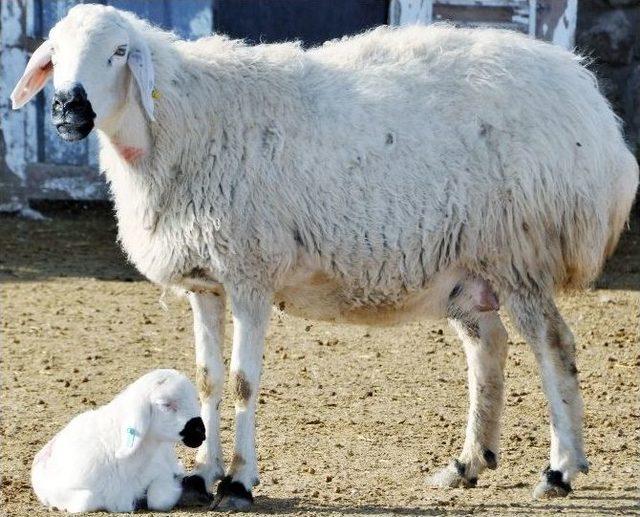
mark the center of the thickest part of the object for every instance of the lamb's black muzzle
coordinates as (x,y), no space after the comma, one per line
(71,113)
(193,433)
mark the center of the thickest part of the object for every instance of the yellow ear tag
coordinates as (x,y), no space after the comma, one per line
(155,94)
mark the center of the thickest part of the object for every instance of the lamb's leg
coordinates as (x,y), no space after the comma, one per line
(81,500)
(251,314)
(538,320)
(485,346)
(208,328)
(164,493)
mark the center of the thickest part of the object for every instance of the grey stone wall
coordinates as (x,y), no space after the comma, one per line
(609,32)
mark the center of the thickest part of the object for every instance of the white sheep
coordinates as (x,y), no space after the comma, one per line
(350,182)
(121,456)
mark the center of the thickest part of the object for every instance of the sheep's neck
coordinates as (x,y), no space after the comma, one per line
(129,133)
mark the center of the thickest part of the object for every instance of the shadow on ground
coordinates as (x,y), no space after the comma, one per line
(80,241)
(75,241)
(573,505)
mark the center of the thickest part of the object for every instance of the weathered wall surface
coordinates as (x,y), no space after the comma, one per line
(609,32)
(12,173)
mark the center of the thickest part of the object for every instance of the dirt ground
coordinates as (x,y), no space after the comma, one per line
(351,419)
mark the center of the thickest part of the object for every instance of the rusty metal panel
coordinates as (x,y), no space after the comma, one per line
(550,20)
(503,14)
(519,15)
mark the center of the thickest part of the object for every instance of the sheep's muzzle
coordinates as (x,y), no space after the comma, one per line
(71,112)
(193,433)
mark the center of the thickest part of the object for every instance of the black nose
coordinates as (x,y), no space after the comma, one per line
(72,113)
(193,433)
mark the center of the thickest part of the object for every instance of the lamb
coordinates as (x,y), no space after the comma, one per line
(121,456)
(346,183)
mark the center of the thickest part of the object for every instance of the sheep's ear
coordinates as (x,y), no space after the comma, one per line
(39,70)
(141,67)
(135,425)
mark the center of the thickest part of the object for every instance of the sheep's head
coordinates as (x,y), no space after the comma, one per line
(161,406)
(97,59)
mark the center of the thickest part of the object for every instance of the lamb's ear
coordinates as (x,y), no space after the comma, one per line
(38,72)
(141,67)
(135,425)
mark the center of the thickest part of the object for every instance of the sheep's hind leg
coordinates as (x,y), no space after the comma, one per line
(485,346)
(538,320)
(208,327)
(251,314)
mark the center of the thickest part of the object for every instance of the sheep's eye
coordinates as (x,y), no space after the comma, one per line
(169,406)
(120,51)
(455,291)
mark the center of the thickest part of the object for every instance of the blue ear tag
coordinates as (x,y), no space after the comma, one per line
(131,436)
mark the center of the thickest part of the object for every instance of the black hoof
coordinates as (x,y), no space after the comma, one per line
(140,504)
(232,495)
(490,459)
(466,482)
(194,492)
(551,485)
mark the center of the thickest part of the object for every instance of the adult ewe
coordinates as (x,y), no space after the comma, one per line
(352,182)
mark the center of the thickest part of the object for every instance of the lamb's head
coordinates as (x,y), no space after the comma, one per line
(98,59)
(161,406)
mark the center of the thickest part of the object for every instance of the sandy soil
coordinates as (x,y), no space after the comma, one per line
(351,419)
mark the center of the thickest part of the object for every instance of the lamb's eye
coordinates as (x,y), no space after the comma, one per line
(455,291)
(120,51)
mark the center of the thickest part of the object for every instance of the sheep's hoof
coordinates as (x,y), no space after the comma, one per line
(232,496)
(551,485)
(194,492)
(210,472)
(452,476)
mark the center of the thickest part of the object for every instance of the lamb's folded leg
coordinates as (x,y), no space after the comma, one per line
(208,328)
(251,312)
(164,492)
(77,501)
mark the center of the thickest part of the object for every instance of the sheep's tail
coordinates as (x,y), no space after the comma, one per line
(624,194)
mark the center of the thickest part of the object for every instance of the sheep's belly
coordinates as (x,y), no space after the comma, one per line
(320,298)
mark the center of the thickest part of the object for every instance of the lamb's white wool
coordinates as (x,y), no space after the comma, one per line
(359,181)
(114,457)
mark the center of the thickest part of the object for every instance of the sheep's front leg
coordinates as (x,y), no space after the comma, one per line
(538,320)
(485,345)
(208,328)
(251,314)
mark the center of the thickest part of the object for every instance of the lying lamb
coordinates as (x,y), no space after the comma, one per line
(119,455)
